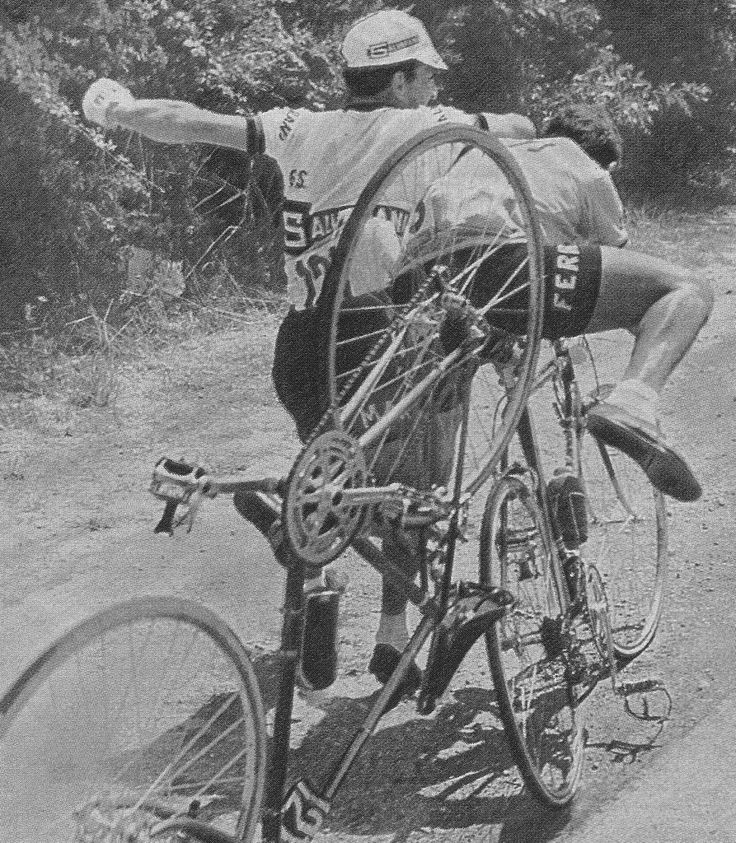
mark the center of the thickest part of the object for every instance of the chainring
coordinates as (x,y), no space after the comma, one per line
(318,523)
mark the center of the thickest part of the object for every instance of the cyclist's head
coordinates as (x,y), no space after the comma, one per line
(382,45)
(591,128)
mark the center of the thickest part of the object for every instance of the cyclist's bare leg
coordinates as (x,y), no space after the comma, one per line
(427,462)
(392,635)
(664,306)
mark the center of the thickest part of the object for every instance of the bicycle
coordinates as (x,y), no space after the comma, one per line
(179,750)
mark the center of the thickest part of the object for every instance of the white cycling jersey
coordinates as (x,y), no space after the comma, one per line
(574,198)
(327,158)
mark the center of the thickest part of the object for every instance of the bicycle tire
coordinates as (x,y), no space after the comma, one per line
(402,338)
(146,711)
(627,541)
(534,693)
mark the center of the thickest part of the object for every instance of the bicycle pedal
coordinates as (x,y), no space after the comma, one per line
(645,686)
(654,700)
(176,482)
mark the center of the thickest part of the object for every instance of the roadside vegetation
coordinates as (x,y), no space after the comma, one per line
(112,247)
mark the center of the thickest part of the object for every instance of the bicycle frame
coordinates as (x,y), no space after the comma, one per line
(299,814)
(302,813)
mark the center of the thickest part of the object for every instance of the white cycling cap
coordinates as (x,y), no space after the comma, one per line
(389,37)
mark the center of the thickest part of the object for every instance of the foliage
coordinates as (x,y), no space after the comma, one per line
(83,195)
(681,44)
(664,70)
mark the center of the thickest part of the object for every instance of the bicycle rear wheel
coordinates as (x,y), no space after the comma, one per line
(527,648)
(627,525)
(402,348)
(148,710)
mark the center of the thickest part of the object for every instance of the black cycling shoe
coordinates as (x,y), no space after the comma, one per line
(383,663)
(256,509)
(264,516)
(665,468)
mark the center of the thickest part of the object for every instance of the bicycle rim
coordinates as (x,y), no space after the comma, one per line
(526,648)
(627,523)
(394,359)
(148,710)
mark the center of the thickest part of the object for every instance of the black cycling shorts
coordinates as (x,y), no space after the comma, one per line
(296,370)
(299,357)
(572,280)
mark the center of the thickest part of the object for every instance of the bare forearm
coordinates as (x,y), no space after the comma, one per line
(174,121)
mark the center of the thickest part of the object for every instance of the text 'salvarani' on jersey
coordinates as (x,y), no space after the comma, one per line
(303,229)
(310,242)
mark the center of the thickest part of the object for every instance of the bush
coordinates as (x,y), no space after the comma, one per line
(84,195)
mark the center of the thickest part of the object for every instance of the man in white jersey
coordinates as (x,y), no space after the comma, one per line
(591,284)
(327,158)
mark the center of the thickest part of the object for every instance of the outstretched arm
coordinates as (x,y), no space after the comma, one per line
(170,121)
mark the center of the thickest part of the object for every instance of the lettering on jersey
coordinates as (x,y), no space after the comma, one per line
(310,239)
(420,212)
(296,233)
(303,229)
(398,216)
(313,269)
(328,223)
(287,125)
(567,267)
(298,179)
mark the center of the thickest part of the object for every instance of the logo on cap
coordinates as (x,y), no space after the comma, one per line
(385,48)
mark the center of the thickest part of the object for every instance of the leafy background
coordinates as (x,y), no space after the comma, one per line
(75,201)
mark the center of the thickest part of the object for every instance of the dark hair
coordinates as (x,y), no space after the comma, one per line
(592,129)
(370,81)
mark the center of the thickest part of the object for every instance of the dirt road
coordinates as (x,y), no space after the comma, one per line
(76,534)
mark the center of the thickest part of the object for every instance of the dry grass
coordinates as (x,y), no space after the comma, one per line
(61,366)
(70,362)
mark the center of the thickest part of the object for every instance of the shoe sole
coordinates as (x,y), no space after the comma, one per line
(665,468)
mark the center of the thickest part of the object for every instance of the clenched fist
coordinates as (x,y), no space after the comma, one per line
(102,94)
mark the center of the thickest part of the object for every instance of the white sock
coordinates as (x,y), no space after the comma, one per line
(313,583)
(392,630)
(636,398)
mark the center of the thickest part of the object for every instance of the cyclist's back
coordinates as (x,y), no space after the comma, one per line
(327,159)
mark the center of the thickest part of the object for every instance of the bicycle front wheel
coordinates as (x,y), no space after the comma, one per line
(527,648)
(627,541)
(148,711)
(444,233)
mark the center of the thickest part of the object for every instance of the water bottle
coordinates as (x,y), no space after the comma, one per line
(566,499)
(318,668)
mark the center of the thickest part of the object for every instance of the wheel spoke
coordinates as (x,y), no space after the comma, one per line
(125,721)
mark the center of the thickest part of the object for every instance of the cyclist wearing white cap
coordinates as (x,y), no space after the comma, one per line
(327,158)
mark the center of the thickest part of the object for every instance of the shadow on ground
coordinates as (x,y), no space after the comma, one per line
(416,774)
